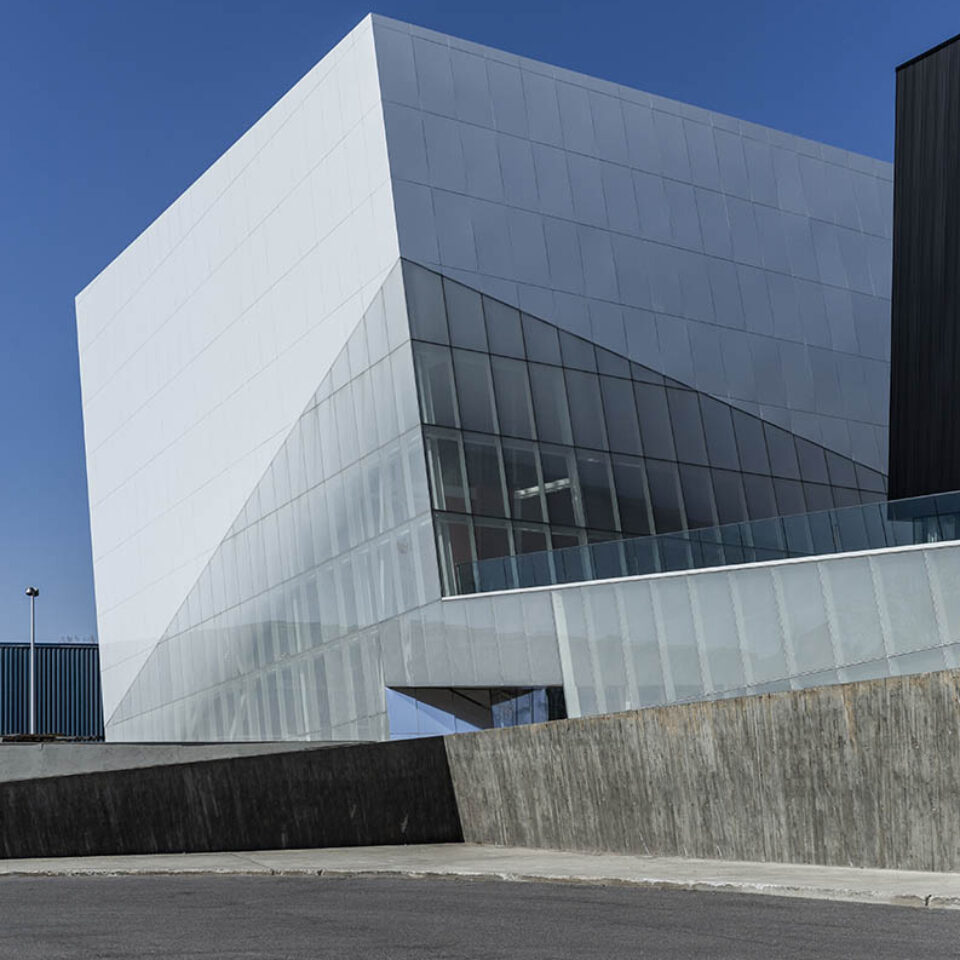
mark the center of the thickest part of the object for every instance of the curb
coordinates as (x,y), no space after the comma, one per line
(252,869)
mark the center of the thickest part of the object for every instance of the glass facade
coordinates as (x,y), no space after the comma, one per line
(868,526)
(538,441)
(279,637)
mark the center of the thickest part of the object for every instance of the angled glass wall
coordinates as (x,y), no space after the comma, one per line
(539,441)
(868,526)
(278,638)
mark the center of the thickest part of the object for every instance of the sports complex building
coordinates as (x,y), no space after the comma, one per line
(464,390)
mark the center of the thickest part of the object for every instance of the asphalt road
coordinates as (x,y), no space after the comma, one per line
(280,917)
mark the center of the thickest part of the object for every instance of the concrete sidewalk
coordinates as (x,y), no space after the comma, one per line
(467,861)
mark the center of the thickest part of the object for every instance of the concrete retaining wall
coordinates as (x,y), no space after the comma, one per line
(865,774)
(361,794)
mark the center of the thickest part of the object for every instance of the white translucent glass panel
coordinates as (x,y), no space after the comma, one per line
(334,539)
(666,639)
(202,342)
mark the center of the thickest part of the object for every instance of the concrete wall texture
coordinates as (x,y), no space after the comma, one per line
(863,774)
(320,797)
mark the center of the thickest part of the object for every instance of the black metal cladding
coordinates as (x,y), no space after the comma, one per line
(925,345)
(537,439)
(69,702)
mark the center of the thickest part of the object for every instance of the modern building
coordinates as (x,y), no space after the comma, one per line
(467,390)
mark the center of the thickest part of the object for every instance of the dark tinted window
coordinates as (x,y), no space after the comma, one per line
(818,496)
(664,485)
(524,493)
(446,473)
(475,391)
(630,481)
(654,421)
(718,432)
(586,409)
(644,374)
(750,443)
(455,548)
(550,404)
(687,426)
(760,499)
(728,492)
(483,474)
(541,340)
(503,328)
(789,494)
(438,401)
(559,479)
(841,470)
(596,491)
(782,451)
(464,316)
(844,497)
(620,413)
(612,364)
(530,540)
(697,496)
(493,540)
(424,304)
(513,397)
(577,353)
(813,466)
(869,479)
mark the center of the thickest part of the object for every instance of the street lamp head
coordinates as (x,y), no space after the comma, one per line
(32,592)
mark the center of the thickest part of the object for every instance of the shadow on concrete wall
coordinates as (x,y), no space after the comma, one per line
(866,774)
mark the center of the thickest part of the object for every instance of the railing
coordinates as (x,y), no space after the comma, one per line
(872,526)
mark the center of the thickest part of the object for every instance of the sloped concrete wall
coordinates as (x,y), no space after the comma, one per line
(361,794)
(864,774)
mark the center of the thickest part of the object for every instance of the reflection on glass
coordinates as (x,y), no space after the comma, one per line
(620,411)
(425,303)
(596,490)
(482,457)
(560,487)
(445,466)
(475,391)
(524,485)
(782,451)
(504,333)
(687,427)
(868,526)
(541,409)
(541,339)
(586,409)
(654,421)
(664,484)
(438,398)
(630,481)
(465,316)
(697,496)
(550,404)
(514,404)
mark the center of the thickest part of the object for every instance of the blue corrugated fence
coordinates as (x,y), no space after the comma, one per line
(68,689)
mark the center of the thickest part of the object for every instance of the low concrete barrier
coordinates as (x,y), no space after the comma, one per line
(864,774)
(362,794)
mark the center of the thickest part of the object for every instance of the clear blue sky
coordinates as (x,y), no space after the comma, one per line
(110,108)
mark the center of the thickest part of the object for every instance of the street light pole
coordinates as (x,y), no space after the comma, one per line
(33,593)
